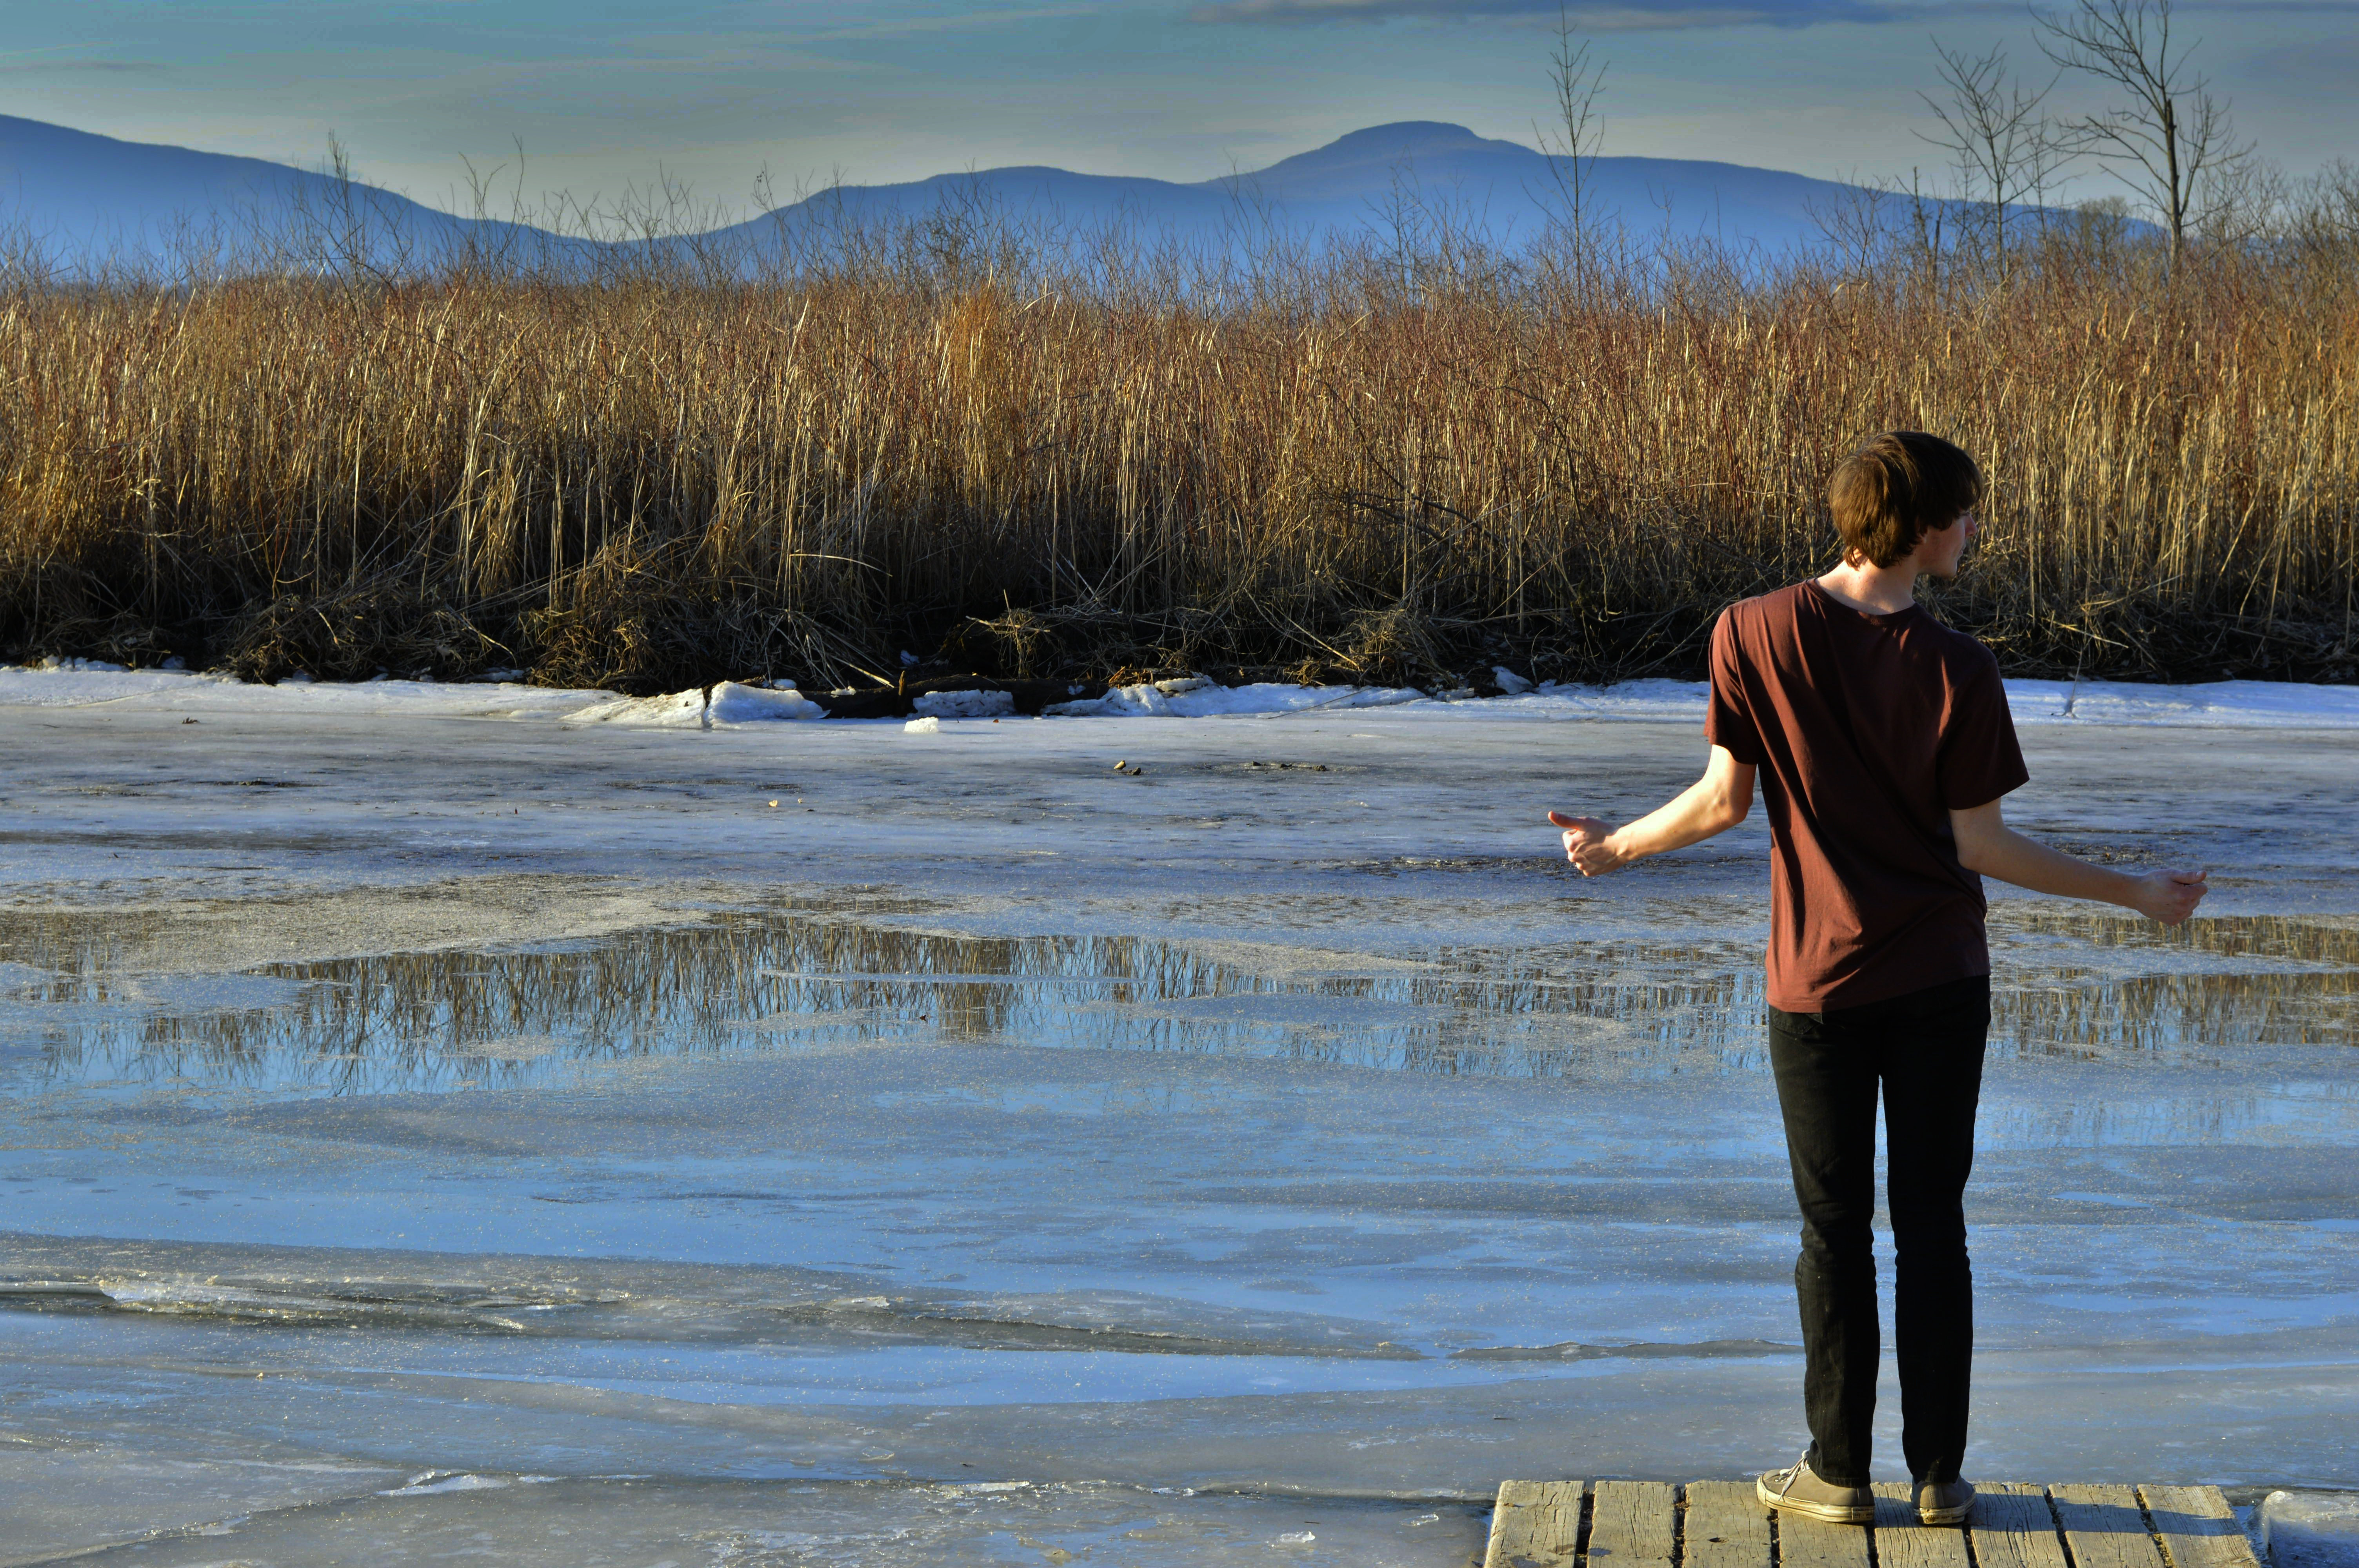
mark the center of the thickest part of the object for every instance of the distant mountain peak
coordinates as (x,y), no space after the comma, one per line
(1404,133)
(1402,141)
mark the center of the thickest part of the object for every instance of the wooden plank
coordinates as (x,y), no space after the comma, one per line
(1902,1541)
(2013,1528)
(1810,1543)
(1633,1524)
(2104,1527)
(2197,1527)
(1535,1524)
(1725,1527)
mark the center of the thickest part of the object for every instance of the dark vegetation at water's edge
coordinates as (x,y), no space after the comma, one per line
(1405,458)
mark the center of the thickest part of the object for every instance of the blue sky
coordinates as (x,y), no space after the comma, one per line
(604,94)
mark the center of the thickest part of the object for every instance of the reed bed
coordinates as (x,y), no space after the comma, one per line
(1355,463)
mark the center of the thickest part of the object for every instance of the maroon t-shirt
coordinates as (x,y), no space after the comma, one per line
(1867,730)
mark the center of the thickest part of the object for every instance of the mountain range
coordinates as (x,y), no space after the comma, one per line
(84,197)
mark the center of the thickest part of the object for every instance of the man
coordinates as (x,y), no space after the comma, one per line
(1884,743)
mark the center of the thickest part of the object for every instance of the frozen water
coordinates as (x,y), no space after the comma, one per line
(631,1521)
(421,1137)
(734,704)
(2310,1529)
(680,709)
(2234,704)
(1195,697)
(177,691)
(965,704)
(725,703)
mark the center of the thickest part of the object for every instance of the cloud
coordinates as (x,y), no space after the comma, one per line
(1674,15)
(61,67)
(956,22)
(2315,62)
(1647,15)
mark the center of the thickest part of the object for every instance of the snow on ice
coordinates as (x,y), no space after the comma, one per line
(81,683)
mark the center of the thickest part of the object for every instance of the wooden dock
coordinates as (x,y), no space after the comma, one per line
(1721,1524)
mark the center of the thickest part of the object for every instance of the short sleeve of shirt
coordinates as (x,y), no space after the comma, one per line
(1979,760)
(1728,722)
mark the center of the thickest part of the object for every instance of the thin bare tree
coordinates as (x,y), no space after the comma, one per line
(1572,142)
(2174,138)
(2005,149)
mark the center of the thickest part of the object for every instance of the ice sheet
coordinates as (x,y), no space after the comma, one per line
(1196,697)
(2233,705)
(172,691)
(726,705)
(1277,1117)
(2238,704)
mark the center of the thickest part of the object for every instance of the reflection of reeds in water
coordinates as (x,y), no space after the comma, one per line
(2238,980)
(2156,1012)
(2311,939)
(444,1019)
(432,1020)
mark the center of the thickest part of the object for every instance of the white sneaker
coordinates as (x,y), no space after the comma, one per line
(1798,1490)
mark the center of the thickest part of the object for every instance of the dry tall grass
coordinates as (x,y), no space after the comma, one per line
(1396,469)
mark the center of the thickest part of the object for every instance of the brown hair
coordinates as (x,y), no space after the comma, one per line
(1902,484)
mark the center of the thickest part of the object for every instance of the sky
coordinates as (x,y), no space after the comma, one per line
(604,96)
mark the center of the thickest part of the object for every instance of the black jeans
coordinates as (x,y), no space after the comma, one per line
(1925,1050)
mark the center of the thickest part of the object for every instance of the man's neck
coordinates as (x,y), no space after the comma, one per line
(1878,591)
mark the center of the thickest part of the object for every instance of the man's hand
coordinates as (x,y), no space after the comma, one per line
(1987,845)
(1713,804)
(1586,845)
(2169,896)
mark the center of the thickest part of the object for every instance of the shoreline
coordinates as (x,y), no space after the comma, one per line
(2230,704)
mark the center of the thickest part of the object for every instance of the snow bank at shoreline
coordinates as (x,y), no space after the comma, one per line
(1196,697)
(2217,705)
(85,684)
(2220,705)
(724,707)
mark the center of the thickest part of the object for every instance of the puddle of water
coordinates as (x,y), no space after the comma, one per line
(2072,984)
(2075,984)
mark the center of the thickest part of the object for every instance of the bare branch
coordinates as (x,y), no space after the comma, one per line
(2004,150)
(1572,143)
(2173,137)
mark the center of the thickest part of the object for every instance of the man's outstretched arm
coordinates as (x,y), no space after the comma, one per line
(1713,804)
(1987,845)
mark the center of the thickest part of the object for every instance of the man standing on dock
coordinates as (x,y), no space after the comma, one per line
(1886,744)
